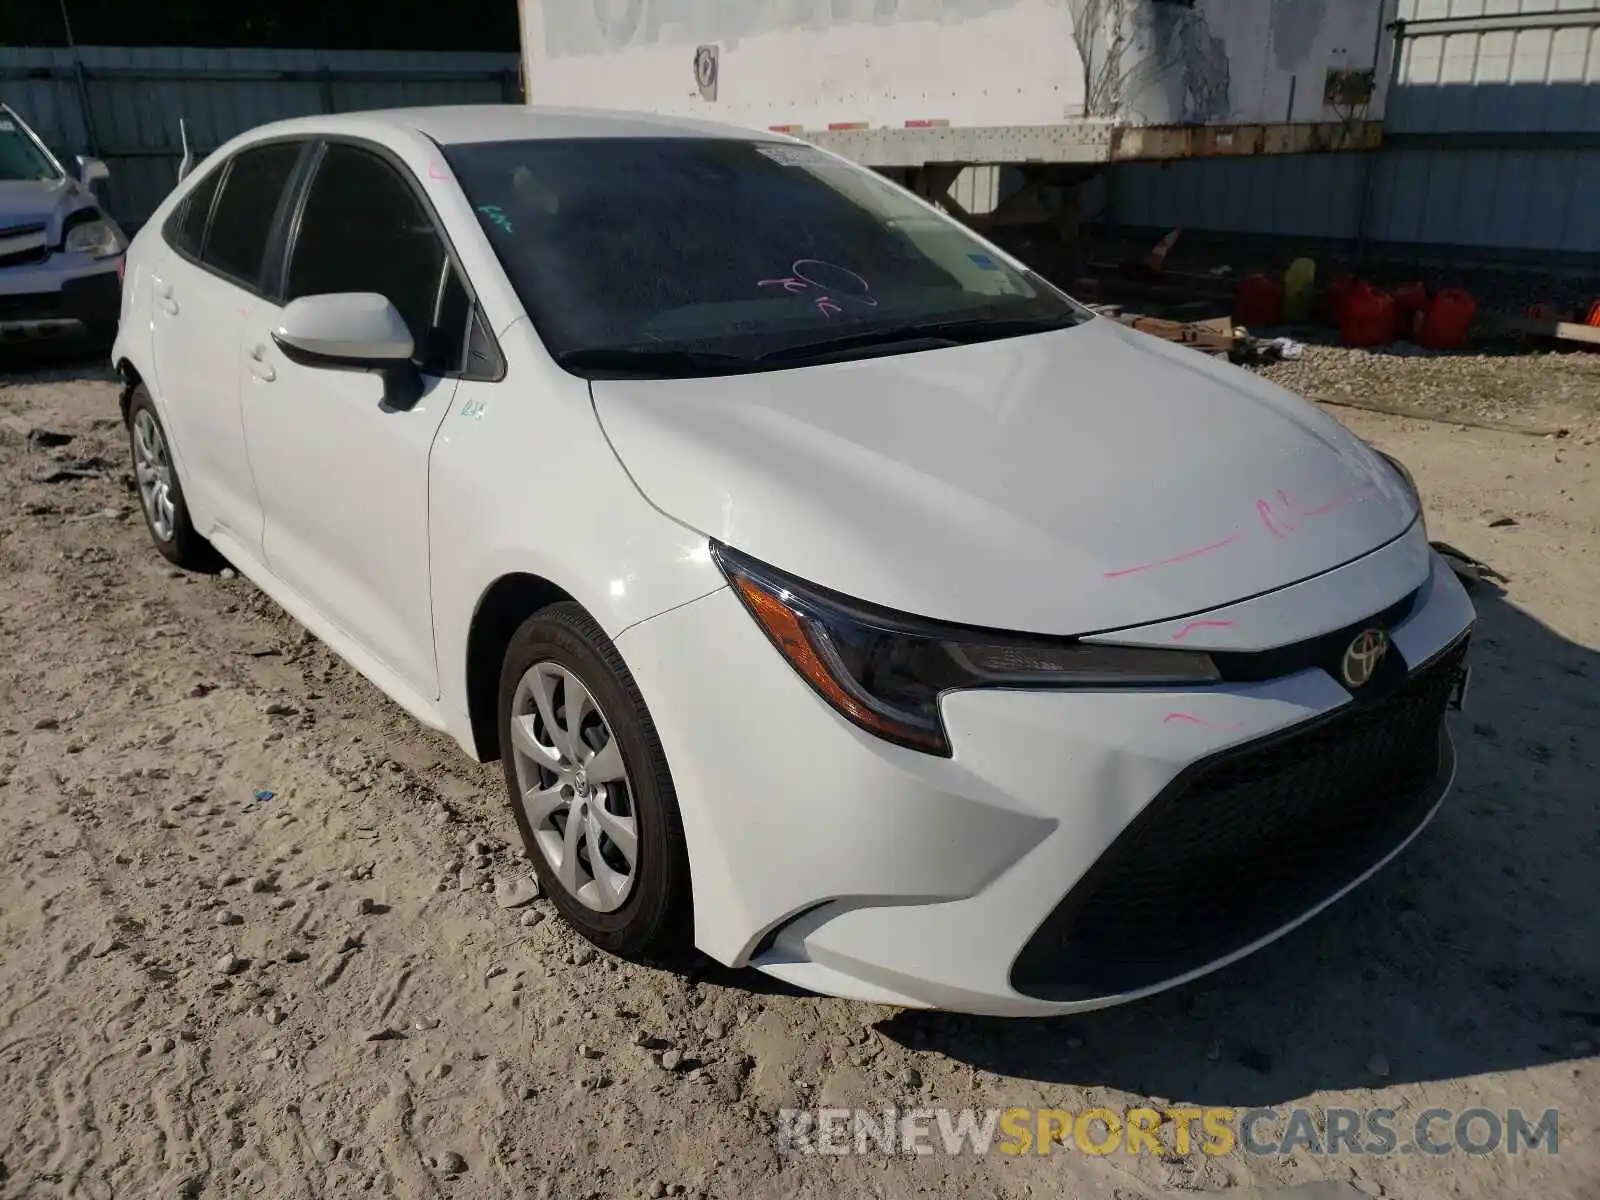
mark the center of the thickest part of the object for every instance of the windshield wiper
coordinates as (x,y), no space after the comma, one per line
(667,362)
(934,335)
(653,362)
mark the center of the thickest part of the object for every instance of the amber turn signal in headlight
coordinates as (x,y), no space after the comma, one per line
(885,671)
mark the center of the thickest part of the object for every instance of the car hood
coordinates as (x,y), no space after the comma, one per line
(26,203)
(1087,479)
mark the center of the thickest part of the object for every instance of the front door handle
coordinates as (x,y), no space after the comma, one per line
(256,360)
(164,297)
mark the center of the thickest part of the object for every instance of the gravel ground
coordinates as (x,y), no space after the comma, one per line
(1553,391)
(206,991)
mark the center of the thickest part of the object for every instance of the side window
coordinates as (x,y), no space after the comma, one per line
(364,230)
(186,227)
(242,217)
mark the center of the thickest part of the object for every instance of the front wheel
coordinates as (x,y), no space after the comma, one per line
(589,786)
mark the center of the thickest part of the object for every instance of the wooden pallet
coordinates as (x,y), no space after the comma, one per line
(1566,331)
(1216,336)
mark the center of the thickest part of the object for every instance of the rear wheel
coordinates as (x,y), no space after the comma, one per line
(589,786)
(160,493)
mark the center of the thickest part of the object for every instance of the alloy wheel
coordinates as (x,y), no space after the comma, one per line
(573,786)
(152,467)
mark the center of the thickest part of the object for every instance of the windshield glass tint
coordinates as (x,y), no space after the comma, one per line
(729,247)
(20,159)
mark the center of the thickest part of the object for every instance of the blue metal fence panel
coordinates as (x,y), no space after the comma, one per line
(134,97)
(1492,143)
(1288,195)
(1539,200)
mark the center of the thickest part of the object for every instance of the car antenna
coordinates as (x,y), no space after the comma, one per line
(187,163)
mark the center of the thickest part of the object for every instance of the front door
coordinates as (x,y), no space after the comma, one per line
(343,475)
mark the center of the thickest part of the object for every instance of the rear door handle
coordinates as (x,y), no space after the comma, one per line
(256,360)
(164,297)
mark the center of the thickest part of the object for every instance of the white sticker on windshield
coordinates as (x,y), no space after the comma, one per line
(795,156)
(7,126)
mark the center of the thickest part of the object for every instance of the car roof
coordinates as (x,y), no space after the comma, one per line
(464,123)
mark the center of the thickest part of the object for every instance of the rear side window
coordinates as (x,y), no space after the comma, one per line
(186,228)
(364,230)
(242,218)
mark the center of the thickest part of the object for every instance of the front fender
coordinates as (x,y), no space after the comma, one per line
(644,590)
(523,481)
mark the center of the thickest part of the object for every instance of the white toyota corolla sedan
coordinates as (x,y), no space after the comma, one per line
(834,591)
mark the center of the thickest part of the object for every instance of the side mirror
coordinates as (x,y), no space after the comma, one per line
(359,331)
(344,329)
(92,171)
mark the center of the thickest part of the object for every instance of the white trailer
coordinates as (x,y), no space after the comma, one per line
(911,83)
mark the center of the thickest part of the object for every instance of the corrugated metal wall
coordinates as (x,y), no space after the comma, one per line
(1492,145)
(123,104)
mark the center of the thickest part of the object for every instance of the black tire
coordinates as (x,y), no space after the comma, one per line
(655,919)
(183,546)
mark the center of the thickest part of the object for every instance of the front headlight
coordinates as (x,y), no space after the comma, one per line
(885,672)
(96,237)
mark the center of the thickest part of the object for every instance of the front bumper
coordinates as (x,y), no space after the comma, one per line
(65,295)
(1079,849)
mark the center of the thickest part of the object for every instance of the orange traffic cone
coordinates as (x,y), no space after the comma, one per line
(1157,258)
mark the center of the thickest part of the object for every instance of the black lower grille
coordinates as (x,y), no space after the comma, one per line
(30,306)
(25,258)
(1242,843)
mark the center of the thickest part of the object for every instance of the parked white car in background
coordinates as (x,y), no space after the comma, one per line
(60,254)
(830,586)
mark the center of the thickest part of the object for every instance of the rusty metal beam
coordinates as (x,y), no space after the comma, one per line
(1089,143)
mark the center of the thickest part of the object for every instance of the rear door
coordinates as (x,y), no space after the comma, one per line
(343,475)
(206,283)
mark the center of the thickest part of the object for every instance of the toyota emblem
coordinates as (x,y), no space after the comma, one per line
(1363,657)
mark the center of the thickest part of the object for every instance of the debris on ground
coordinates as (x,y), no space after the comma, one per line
(1469,570)
(516,892)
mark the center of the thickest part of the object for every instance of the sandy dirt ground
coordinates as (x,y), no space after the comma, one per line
(206,994)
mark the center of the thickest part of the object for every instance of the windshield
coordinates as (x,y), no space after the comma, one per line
(702,255)
(20,159)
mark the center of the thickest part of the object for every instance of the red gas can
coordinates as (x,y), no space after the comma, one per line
(1259,301)
(1368,318)
(1330,304)
(1448,321)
